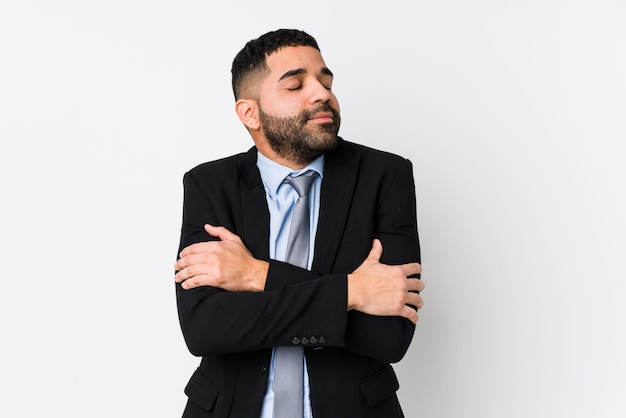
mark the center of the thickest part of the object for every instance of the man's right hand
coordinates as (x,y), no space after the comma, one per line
(385,290)
(226,264)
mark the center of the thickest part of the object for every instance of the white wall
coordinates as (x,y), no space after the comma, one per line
(514,114)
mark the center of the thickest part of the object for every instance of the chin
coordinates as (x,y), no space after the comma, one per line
(324,143)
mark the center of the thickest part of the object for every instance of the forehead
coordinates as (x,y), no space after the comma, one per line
(294,57)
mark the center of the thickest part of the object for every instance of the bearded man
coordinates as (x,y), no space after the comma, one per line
(296,297)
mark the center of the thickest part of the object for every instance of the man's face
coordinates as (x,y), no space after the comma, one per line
(298,112)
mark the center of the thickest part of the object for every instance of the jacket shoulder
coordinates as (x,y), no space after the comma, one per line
(372,157)
(220,165)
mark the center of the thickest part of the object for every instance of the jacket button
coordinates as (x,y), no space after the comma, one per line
(295,340)
(305,340)
(322,340)
(313,340)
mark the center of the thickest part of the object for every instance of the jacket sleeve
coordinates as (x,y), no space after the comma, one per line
(388,338)
(215,321)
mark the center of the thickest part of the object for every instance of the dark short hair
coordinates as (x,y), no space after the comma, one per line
(251,60)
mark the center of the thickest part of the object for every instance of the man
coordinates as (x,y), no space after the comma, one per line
(349,307)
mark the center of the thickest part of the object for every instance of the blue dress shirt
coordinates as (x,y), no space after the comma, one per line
(281,199)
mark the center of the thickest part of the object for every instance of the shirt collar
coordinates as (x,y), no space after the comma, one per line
(273,173)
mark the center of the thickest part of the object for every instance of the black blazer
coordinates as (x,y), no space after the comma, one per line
(365,194)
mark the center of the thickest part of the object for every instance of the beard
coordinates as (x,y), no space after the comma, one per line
(297,140)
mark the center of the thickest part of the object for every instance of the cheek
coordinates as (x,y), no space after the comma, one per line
(334,103)
(282,107)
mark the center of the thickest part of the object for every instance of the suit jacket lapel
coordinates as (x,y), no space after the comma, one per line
(340,175)
(254,214)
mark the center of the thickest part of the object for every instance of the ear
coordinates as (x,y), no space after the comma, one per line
(248,112)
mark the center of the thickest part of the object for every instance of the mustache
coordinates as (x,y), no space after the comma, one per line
(324,107)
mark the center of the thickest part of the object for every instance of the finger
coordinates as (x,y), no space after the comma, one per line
(195,281)
(410,314)
(191,271)
(198,247)
(414,299)
(199,257)
(411,269)
(179,277)
(415,285)
(377,250)
(221,233)
(182,263)
(182,275)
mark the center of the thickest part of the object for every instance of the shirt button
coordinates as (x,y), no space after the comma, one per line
(305,340)
(295,340)
(313,340)
(322,340)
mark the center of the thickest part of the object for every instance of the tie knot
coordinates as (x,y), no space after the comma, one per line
(302,183)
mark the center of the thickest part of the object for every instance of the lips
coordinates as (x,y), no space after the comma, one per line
(322,117)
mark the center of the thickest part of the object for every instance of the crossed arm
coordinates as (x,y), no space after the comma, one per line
(373,288)
(231,300)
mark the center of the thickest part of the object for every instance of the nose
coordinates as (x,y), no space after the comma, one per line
(320,93)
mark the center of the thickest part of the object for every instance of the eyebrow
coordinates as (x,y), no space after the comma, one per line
(298,71)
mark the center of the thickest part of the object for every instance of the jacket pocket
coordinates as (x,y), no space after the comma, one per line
(201,391)
(380,386)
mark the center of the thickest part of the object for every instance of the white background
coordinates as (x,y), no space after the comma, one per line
(513,113)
